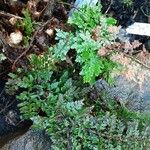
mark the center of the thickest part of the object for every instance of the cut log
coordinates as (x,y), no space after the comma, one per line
(139,28)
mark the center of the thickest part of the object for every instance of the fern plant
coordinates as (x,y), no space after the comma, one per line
(86,47)
(53,96)
(27,25)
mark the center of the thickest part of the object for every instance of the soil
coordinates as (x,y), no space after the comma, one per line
(10,123)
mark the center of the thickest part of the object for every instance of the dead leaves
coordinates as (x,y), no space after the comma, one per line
(103,51)
(32,7)
(130,68)
(125,47)
(143,56)
(114,29)
(38,7)
(96,34)
(106,50)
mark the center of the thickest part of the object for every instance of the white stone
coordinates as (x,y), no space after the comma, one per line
(139,28)
(50,32)
(16,37)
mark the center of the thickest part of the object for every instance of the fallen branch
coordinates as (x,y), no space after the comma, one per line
(7,106)
(2,13)
(111,2)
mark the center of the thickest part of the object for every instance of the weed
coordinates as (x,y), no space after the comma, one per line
(27,25)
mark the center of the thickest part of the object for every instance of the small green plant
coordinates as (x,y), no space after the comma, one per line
(86,48)
(27,25)
(128,2)
(55,98)
(2,57)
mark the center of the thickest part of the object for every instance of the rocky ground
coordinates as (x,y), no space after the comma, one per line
(131,84)
(31,140)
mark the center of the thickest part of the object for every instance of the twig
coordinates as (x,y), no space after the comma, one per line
(2,13)
(136,60)
(135,14)
(111,2)
(7,106)
(65,3)
(31,43)
(2,92)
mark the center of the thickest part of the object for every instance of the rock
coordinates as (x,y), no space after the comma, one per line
(10,123)
(123,36)
(31,140)
(131,85)
(15,38)
(139,28)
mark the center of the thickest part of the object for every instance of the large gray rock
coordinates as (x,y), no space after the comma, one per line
(31,140)
(132,84)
